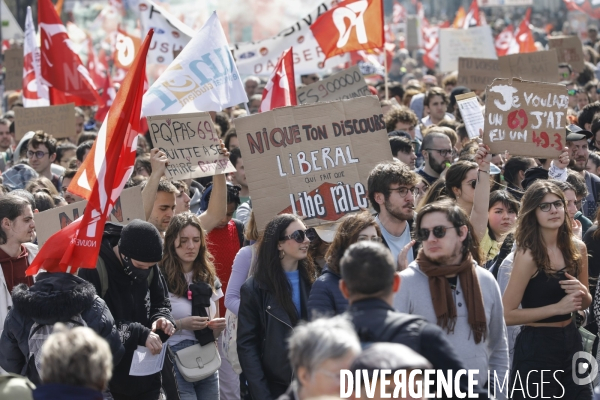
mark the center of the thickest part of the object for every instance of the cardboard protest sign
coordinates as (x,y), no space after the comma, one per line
(13,62)
(472,42)
(414,38)
(191,144)
(526,118)
(129,206)
(346,84)
(471,113)
(568,50)
(477,73)
(541,66)
(59,121)
(312,160)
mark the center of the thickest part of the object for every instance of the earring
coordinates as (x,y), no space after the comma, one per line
(281,255)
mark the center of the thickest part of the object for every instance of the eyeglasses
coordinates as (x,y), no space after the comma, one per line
(473,183)
(403,191)
(375,239)
(299,235)
(438,231)
(37,154)
(558,204)
(576,202)
(572,92)
(443,152)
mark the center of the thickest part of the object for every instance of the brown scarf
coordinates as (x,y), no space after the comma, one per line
(443,301)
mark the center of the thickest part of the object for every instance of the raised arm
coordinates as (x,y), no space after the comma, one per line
(158,162)
(217,205)
(481,198)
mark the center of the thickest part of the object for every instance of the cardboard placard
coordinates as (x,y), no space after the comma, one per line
(540,66)
(472,42)
(191,144)
(312,160)
(346,84)
(568,50)
(526,118)
(129,206)
(471,113)
(477,73)
(414,38)
(59,121)
(13,62)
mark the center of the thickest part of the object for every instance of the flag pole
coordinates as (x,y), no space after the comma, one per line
(385,67)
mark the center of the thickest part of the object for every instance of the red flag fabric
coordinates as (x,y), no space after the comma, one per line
(280,91)
(398,13)
(61,66)
(459,18)
(100,179)
(587,6)
(473,16)
(126,47)
(351,25)
(108,96)
(524,36)
(504,40)
(431,45)
(96,68)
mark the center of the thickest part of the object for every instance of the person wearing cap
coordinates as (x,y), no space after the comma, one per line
(128,279)
(577,141)
(435,103)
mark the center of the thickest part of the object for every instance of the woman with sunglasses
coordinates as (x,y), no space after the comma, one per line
(326,299)
(273,300)
(549,281)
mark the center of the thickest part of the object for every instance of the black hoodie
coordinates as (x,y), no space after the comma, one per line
(55,297)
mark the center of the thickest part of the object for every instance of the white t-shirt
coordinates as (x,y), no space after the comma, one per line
(181,307)
(397,243)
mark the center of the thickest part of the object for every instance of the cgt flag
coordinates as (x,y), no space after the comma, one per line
(35,93)
(100,179)
(203,77)
(281,88)
(351,25)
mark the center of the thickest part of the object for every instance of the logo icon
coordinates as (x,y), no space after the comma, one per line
(354,12)
(143,7)
(300,39)
(580,365)
(264,51)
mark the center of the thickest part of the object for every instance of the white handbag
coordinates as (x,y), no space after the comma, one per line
(198,362)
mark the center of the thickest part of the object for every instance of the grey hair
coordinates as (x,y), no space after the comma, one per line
(324,339)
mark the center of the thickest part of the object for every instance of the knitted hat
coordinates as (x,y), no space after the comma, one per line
(141,241)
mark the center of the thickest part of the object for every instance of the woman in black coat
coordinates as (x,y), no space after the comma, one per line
(272,302)
(55,297)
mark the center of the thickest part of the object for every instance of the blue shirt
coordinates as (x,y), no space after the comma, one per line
(294,279)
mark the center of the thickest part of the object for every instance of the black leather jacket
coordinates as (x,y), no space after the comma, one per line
(263,330)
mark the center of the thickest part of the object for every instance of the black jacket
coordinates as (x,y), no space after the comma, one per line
(325,298)
(263,330)
(135,306)
(376,321)
(55,297)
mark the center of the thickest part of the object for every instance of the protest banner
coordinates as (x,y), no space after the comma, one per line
(414,38)
(346,84)
(541,66)
(568,50)
(13,62)
(472,42)
(477,73)
(526,118)
(312,160)
(471,113)
(191,144)
(127,208)
(59,121)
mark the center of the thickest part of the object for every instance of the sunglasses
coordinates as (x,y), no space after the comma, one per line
(300,235)
(438,231)
(572,92)
(558,204)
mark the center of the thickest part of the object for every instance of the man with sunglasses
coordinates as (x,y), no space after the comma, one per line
(446,286)
(41,152)
(437,152)
(577,141)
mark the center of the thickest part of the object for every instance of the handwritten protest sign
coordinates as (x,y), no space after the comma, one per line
(59,121)
(477,73)
(346,84)
(568,50)
(472,42)
(470,110)
(526,118)
(13,62)
(127,208)
(312,160)
(191,144)
(541,66)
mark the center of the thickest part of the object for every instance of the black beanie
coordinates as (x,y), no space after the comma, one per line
(141,241)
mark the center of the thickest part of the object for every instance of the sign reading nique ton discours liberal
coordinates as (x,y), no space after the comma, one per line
(526,118)
(312,160)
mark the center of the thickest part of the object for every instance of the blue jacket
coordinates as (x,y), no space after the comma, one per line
(325,296)
(65,392)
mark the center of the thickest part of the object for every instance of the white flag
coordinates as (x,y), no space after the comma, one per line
(170,34)
(203,77)
(35,93)
(260,58)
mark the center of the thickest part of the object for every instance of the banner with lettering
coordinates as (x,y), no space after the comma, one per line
(346,84)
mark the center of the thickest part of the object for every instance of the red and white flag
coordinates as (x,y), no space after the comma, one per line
(504,41)
(97,69)
(125,49)
(100,179)
(61,67)
(431,45)
(108,96)
(35,93)
(398,13)
(280,91)
(351,25)
(519,41)
(473,17)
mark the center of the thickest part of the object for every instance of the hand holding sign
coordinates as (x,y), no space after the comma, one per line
(158,161)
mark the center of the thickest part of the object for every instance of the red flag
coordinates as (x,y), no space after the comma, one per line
(473,16)
(281,89)
(524,37)
(95,67)
(398,13)
(61,66)
(126,47)
(459,18)
(349,26)
(504,40)
(586,6)
(100,179)
(108,96)
(431,45)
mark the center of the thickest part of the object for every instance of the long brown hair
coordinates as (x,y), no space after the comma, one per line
(529,235)
(456,175)
(203,269)
(347,234)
